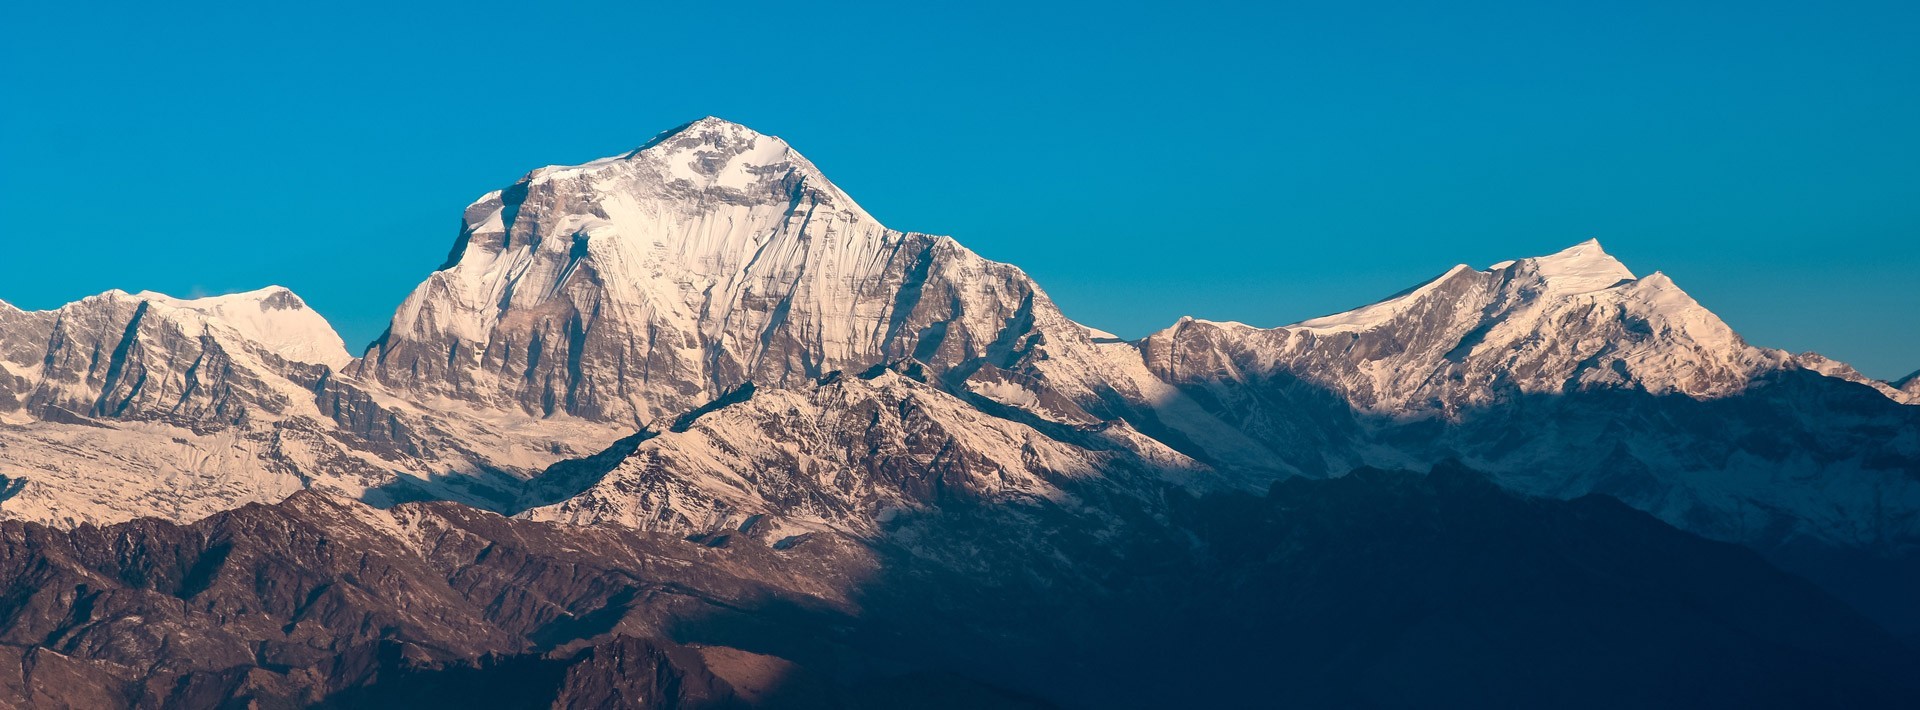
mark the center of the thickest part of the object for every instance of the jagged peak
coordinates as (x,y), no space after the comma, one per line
(707,155)
(711,130)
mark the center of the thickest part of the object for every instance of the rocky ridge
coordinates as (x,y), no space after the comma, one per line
(322,601)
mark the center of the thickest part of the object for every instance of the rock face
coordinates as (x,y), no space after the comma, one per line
(647,284)
(1347,588)
(122,405)
(150,356)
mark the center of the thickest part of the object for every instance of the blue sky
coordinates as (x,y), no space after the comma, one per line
(1143,162)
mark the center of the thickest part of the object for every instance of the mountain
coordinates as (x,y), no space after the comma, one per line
(1387,589)
(585,303)
(122,405)
(152,355)
(1572,322)
(802,444)
(1566,375)
(647,284)
(1909,386)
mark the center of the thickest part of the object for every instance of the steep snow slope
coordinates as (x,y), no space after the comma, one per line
(152,355)
(646,284)
(272,317)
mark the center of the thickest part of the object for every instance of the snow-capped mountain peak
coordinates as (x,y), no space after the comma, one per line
(791,363)
(1576,319)
(122,405)
(1581,268)
(271,316)
(713,158)
(641,285)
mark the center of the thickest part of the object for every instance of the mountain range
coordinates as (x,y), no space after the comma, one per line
(691,407)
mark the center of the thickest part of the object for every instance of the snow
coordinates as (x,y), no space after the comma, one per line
(271,316)
(1581,268)
(1381,313)
(708,248)
(698,249)
(744,459)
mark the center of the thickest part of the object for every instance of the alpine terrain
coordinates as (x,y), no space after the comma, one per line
(686,426)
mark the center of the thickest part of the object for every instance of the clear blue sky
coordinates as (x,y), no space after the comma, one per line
(1264,165)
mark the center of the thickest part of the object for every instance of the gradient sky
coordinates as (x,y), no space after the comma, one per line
(1263,165)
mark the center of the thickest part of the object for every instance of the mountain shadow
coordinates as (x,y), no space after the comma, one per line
(1377,589)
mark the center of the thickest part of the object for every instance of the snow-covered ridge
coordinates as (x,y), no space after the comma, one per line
(1909,387)
(1575,318)
(122,405)
(272,316)
(1379,313)
(841,454)
(1582,268)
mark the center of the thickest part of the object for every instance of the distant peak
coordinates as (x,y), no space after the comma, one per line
(1910,383)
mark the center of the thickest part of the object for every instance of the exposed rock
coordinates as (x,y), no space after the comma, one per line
(644,285)
(1379,588)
